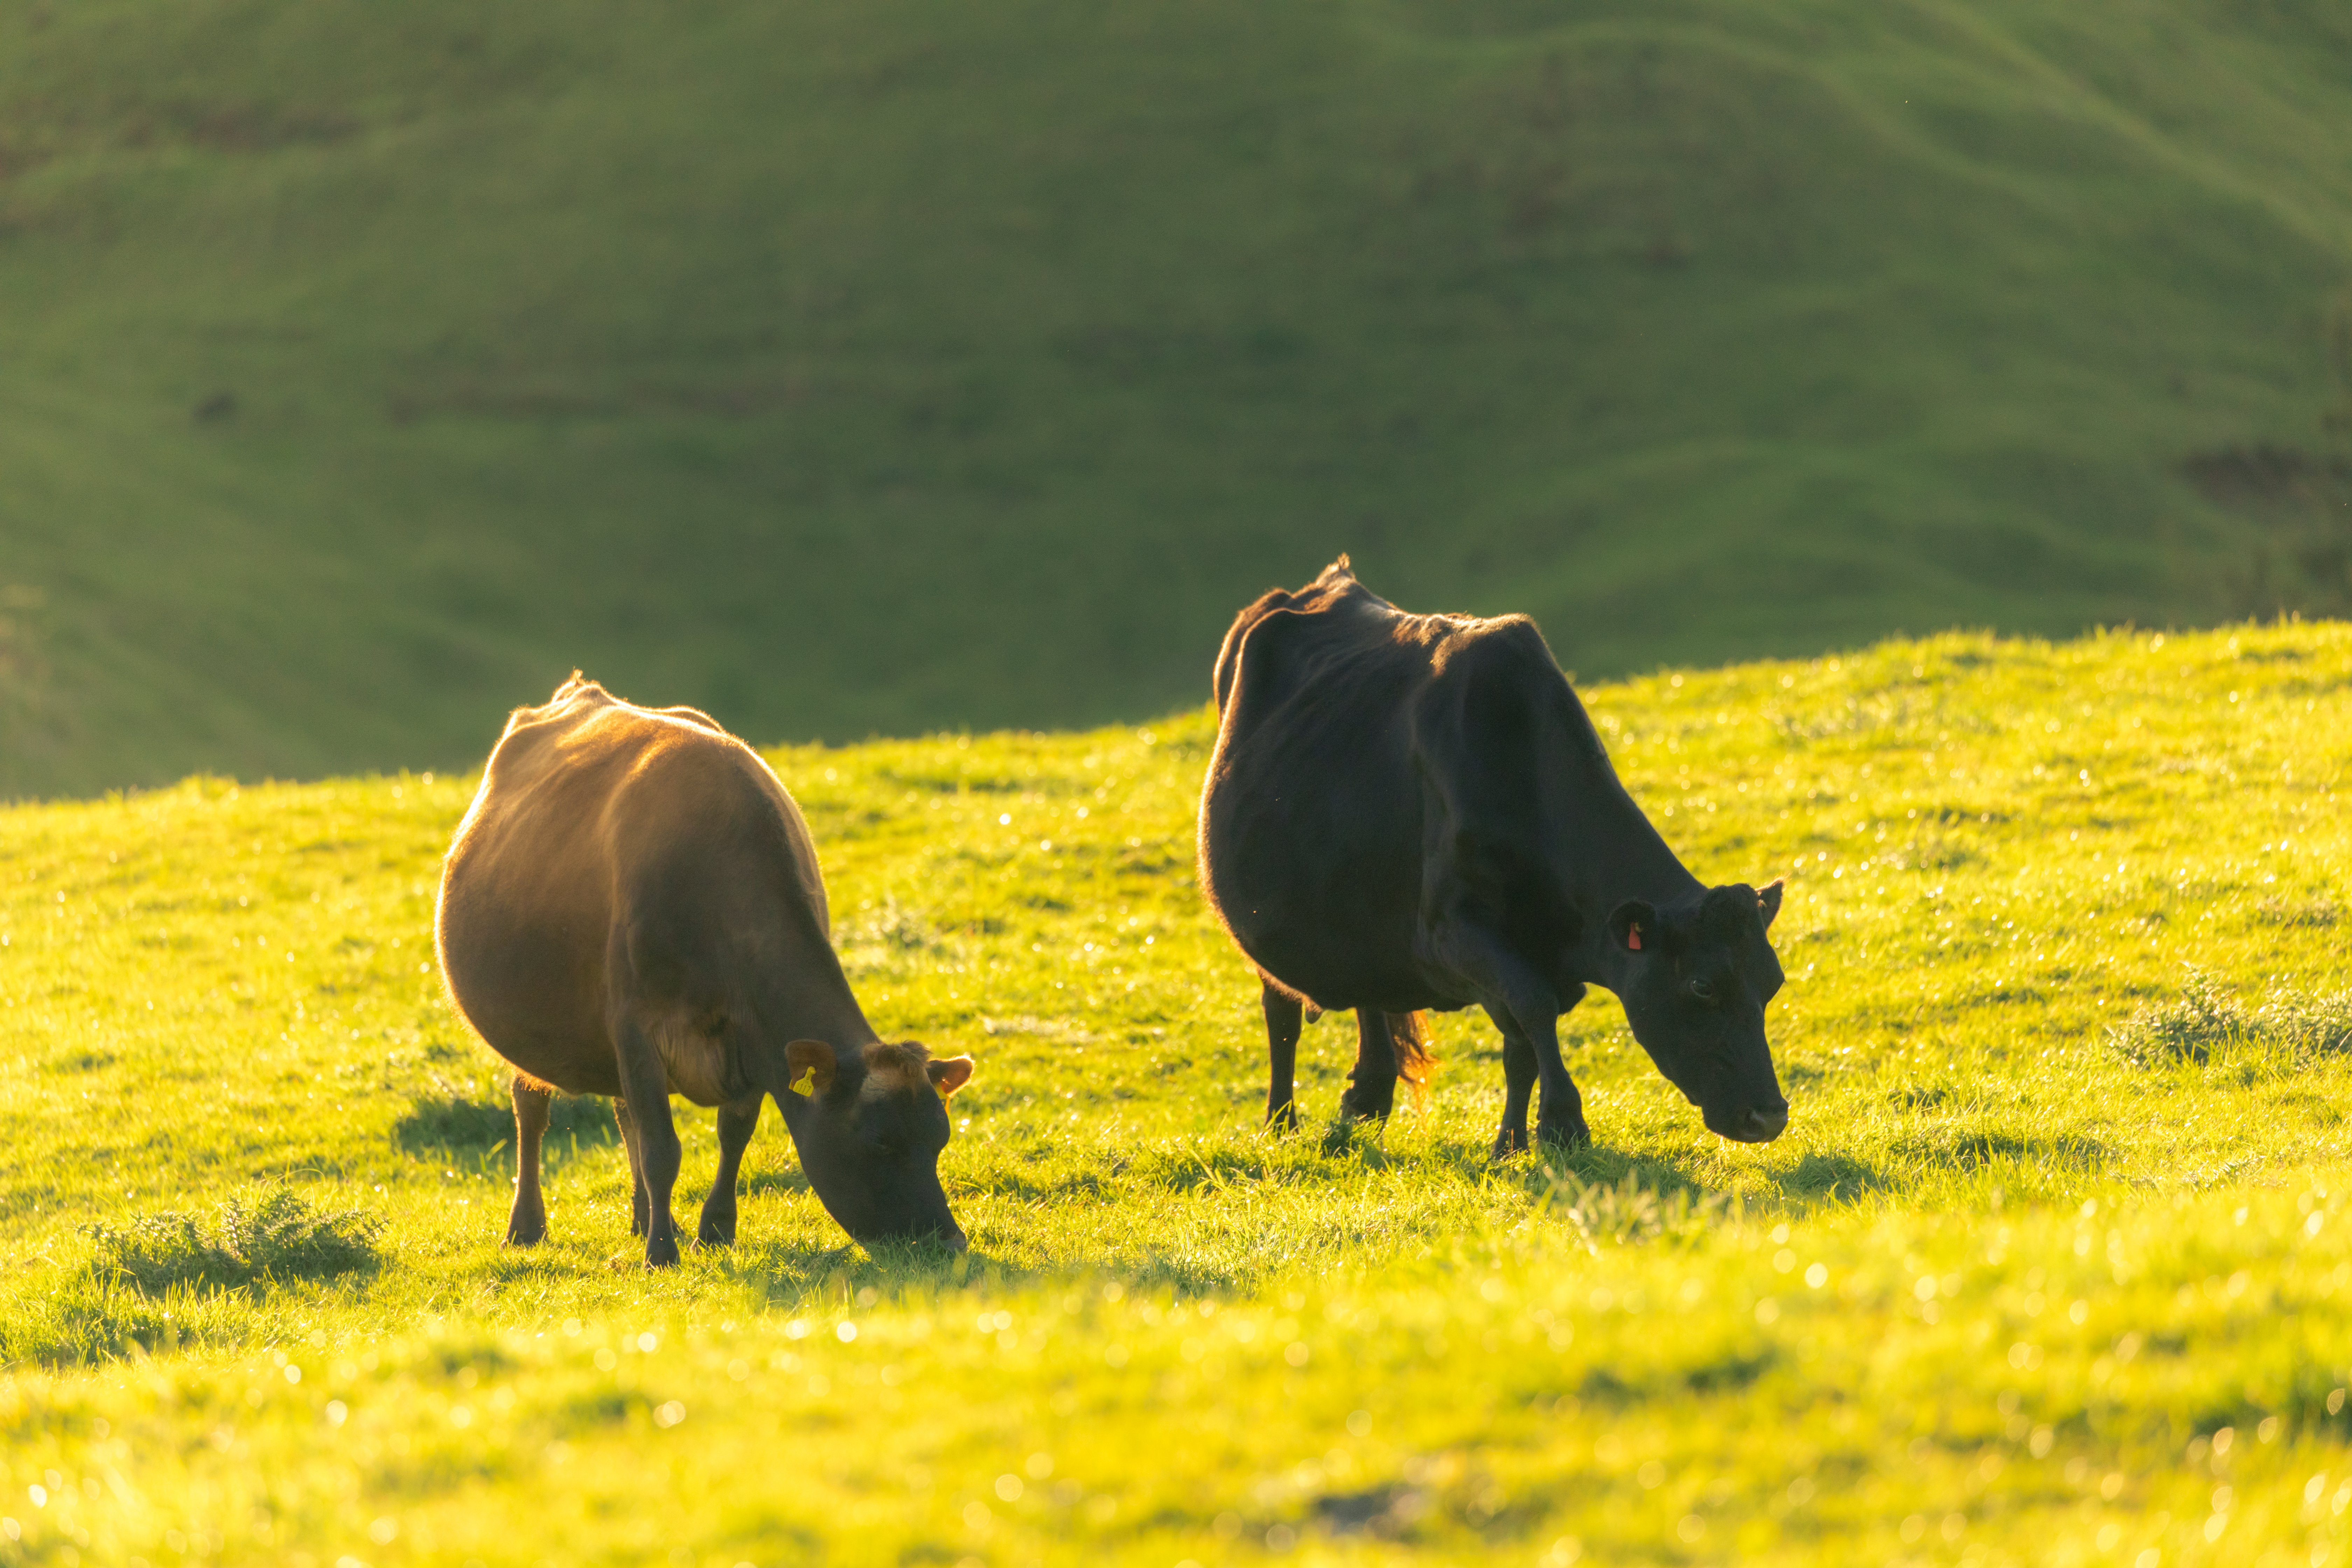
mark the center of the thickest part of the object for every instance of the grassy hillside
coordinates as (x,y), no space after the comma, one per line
(2050,1267)
(874,370)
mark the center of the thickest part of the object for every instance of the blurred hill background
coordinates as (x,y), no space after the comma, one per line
(878,368)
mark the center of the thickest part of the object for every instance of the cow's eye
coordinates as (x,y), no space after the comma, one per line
(1702,989)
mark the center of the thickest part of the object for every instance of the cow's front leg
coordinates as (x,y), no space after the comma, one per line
(526,1225)
(1371,1083)
(1284,1015)
(1559,1108)
(1518,1084)
(1559,1123)
(646,1083)
(738,1119)
(1523,1002)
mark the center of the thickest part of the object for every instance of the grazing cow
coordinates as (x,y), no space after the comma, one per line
(632,907)
(1408,812)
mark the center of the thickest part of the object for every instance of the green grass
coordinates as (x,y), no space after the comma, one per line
(870,370)
(2051,1267)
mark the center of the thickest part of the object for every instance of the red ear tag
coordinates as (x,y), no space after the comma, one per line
(1633,938)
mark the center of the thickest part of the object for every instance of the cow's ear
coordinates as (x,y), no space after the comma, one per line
(813,1058)
(1768,901)
(1633,926)
(950,1075)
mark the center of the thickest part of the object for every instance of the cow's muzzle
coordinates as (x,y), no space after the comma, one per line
(1758,1124)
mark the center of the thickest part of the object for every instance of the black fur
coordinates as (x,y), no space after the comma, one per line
(1408,812)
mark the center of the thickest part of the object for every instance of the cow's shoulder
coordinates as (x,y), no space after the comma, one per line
(586,738)
(1469,647)
(1488,670)
(694,716)
(686,770)
(1496,712)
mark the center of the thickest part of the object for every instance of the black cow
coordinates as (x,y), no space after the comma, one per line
(1409,811)
(632,907)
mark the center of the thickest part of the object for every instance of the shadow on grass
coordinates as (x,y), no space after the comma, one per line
(1829,1178)
(476,1129)
(845,1278)
(1608,1195)
(1598,1163)
(789,1180)
(1933,1158)
(1958,1150)
(1299,1154)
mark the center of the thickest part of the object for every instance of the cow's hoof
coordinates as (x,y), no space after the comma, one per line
(1510,1140)
(662,1254)
(526,1235)
(1283,1117)
(712,1233)
(1368,1108)
(1564,1134)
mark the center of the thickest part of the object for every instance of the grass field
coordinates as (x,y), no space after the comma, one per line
(2050,1267)
(873,370)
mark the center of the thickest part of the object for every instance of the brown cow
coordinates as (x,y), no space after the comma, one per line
(632,907)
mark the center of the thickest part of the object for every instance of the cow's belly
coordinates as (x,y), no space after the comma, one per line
(547,1020)
(1338,982)
(533,986)
(1336,931)
(1314,835)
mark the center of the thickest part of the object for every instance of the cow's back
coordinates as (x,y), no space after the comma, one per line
(1373,766)
(1311,818)
(603,829)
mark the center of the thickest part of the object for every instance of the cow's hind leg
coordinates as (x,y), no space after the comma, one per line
(638,1210)
(526,1225)
(1284,1017)
(1371,1084)
(644,1082)
(738,1119)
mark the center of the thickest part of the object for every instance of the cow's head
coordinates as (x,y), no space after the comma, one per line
(1695,980)
(869,1128)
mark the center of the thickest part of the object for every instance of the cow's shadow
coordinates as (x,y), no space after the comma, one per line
(777,1179)
(841,1277)
(1930,1158)
(475,1131)
(846,1278)
(1605,1190)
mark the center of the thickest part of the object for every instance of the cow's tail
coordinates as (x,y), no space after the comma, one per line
(1416,1063)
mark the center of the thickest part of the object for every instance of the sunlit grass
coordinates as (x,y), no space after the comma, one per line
(2061,1201)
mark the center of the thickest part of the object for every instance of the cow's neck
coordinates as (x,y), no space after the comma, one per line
(1633,861)
(838,1021)
(818,1005)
